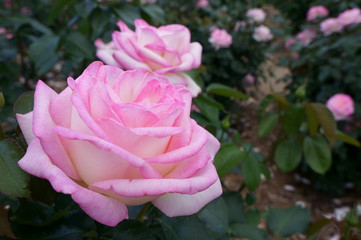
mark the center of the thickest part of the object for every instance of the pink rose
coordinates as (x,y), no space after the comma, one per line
(262,34)
(2,30)
(256,15)
(316,12)
(341,105)
(330,25)
(220,38)
(250,79)
(306,36)
(350,16)
(166,50)
(289,43)
(115,138)
(202,4)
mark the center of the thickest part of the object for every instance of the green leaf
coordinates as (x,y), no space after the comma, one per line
(58,6)
(13,180)
(248,231)
(129,229)
(78,45)
(225,91)
(289,221)
(208,111)
(228,156)
(215,217)
(43,53)
(312,119)
(128,13)
(155,12)
(2,99)
(184,228)
(347,139)
(326,120)
(288,155)
(251,171)
(267,124)
(20,21)
(253,216)
(293,119)
(99,19)
(235,207)
(25,103)
(210,101)
(317,153)
(281,99)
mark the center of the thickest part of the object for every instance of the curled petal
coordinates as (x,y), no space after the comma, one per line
(103,209)
(26,124)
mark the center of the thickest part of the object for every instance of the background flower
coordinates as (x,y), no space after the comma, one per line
(262,34)
(220,38)
(341,105)
(330,25)
(316,11)
(349,17)
(256,15)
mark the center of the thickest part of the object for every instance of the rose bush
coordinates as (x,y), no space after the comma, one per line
(114,138)
(166,50)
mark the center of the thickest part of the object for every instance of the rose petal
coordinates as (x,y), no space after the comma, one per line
(103,209)
(176,204)
(184,79)
(26,124)
(43,126)
(105,52)
(127,62)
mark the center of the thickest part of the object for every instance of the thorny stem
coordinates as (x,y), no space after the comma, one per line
(142,212)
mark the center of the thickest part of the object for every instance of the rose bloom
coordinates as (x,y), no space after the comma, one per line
(289,43)
(202,4)
(316,12)
(350,16)
(256,15)
(166,50)
(330,25)
(341,105)
(262,34)
(220,38)
(250,79)
(306,36)
(114,138)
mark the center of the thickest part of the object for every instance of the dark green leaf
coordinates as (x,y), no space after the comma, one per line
(20,21)
(293,119)
(58,6)
(253,216)
(78,45)
(248,231)
(99,19)
(128,13)
(225,91)
(215,217)
(43,53)
(208,111)
(289,221)
(281,99)
(184,228)
(25,103)
(228,156)
(267,124)
(288,155)
(251,171)
(129,229)
(155,12)
(347,139)
(317,153)
(312,119)
(326,120)
(235,207)
(13,180)
(210,101)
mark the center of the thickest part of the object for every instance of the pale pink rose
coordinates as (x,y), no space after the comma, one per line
(220,38)
(202,4)
(256,15)
(239,24)
(2,30)
(250,79)
(9,36)
(289,43)
(330,25)
(341,105)
(306,36)
(166,50)
(350,16)
(25,11)
(316,12)
(113,139)
(262,34)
